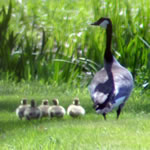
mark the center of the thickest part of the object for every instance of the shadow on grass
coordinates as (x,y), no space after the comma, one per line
(13,124)
(9,106)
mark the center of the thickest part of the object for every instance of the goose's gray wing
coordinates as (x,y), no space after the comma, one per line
(101,87)
(123,82)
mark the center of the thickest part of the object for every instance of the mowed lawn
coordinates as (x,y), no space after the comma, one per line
(91,132)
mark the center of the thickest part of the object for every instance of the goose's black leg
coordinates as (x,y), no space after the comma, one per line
(104,115)
(119,110)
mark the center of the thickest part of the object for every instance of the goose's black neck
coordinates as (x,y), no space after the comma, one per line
(108,54)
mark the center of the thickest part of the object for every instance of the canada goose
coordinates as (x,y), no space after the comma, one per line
(44,108)
(32,112)
(112,85)
(56,110)
(75,109)
(20,109)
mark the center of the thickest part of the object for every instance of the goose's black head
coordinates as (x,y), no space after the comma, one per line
(103,22)
(107,24)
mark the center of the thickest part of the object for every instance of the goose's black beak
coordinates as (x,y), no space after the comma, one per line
(98,22)
(95,23)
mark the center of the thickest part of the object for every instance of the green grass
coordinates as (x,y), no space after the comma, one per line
(90,132)
(52,41)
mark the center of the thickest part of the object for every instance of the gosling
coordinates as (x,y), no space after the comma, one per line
(56,110)
(44,108)
(20,109)
(75,109)
(32,112)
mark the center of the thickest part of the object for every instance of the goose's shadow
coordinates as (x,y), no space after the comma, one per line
(14,124)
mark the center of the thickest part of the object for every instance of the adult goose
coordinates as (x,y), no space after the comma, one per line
(112,85)
(56,110)
(21,108)
(75,109)
(32,112)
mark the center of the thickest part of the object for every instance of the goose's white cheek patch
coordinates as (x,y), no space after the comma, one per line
(104,24)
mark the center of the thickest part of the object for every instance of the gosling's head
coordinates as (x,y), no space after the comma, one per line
(24,101)
(76,101)
(32,103)
(45,102)
(55,101)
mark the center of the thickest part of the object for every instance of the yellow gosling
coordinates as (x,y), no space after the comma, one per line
(32,112)
(56,110)
(75,109)
(44,108)
(20,109)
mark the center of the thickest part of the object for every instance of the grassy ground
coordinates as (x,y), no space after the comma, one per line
(131,131)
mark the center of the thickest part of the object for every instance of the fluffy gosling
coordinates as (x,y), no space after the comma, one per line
(75,109)
(32,112)
(20,109)
(44,108)
(56,110)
